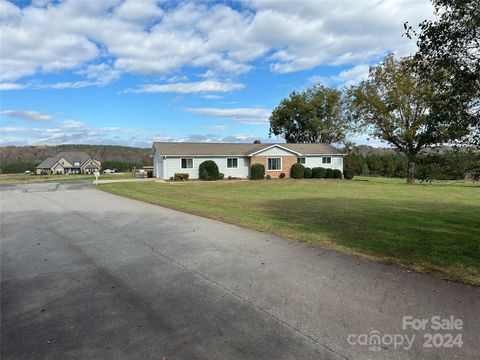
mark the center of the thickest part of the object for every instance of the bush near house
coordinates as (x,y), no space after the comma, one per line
(180,176)
(308,173)
(282,175)
(329,173)
(337,174)
(319,172)
(257,172)
(221,176)
(297,171)
(208,170)
(348,174)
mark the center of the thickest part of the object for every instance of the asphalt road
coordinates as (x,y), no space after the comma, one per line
(89,275)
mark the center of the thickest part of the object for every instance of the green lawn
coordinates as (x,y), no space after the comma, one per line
(431,228)
(30,178)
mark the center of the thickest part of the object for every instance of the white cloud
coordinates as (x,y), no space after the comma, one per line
(158,39)
(239,138)
(34,116)
(216,127)
(249,116)
(11,86)
(208,86)
(102,74)
(55,86)
(72,124)
(76,132)
(345,78)
(9,129)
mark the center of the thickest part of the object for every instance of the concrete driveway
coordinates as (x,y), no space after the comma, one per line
(89,275)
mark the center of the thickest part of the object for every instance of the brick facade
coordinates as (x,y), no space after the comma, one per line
(287,162)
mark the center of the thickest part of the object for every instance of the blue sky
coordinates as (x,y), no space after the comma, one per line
(131,72)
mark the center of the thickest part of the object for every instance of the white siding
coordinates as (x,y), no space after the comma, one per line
(173,165)
(316,161)
(275,151)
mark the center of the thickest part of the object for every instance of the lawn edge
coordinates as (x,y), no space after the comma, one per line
(387,260)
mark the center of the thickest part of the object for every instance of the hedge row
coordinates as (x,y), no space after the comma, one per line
(298,171)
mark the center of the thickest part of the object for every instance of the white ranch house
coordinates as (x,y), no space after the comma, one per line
(235,159)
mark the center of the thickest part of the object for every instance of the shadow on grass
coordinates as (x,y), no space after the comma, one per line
(417,233)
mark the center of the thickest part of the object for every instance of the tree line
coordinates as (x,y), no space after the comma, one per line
(430,98)
(448,165)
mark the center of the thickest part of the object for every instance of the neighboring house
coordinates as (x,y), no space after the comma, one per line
(69,162)
(235,159)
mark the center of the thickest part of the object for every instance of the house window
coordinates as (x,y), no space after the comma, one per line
(274,164)
(232,163)
(301,160)
(326,160)
(187,163)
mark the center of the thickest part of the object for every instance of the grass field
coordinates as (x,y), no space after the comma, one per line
(30,178)
(431,228)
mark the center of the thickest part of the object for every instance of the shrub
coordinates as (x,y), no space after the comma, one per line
(308,173)
(221,176)
(348,174)
(171,178)
(282,175)
(268,177)
(257,172)
(297,171)
(229,177)
(337,174)
(208,170)
(329,174)
(319,172)
(180,176)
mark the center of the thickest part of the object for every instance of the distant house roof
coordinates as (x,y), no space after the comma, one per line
(70,156)
(238,149)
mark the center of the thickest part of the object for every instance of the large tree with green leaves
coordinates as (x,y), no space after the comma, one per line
(311,116)
(448,57)
(395,105)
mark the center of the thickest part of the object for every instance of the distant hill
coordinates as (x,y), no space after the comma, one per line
(36,154)
(367,150)
(17,159)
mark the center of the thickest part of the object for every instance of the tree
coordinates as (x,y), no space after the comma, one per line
(448,57)
(311,116)
(394,104)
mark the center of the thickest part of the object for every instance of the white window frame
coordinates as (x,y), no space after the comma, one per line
(281,163)
(325,159)
(231,167)
(187,168)
(299,161)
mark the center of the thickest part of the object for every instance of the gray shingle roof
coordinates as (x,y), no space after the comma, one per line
(70,156)
(238,149)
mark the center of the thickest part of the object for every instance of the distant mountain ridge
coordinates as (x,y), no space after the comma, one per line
(36,154)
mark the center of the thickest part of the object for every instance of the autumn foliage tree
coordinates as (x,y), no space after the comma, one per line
(448,57)
(394,104)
